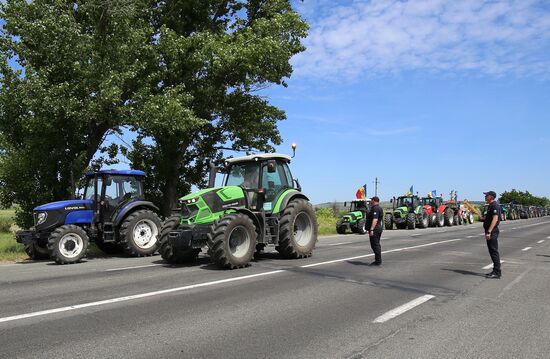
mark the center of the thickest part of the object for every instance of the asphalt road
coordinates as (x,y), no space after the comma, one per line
(428,300)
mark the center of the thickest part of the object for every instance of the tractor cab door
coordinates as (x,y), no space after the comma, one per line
(117,192)
(275,180)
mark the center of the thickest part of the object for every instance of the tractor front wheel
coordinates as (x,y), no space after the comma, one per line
(388,221)
(424,220)
(139,233)
(167,251)
(232,241)
(411,221)
(449,218)
(432,222)
(362,226)
(297,230)
(68,244)
(439,220)
(340,229)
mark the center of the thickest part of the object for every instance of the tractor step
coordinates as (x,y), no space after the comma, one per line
(272,230)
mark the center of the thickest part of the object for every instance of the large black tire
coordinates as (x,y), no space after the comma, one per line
(456,220)
(139,233)
(388,221)
(36,252)
(109,248)
(339,228)
(471,218)
(68,244)
(411,221)
(448,216)
(297,230)
(432,220)
(232,241)
(362,226)
(439,220)
(424,220)
(167,251)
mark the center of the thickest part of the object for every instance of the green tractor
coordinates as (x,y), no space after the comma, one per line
(259,204)
(356,219)
(407,212)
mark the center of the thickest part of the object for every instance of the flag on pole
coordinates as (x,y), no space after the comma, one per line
(411,191)
(361,192)
(434,193)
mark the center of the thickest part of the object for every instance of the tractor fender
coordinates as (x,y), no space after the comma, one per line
(131,207)
(259,226)
(290,196)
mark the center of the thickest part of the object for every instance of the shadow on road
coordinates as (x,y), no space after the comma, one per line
(543,255)
(465,272)
(357,263)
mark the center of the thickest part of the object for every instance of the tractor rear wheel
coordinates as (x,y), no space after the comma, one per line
(339,228)
(68,244)
(440,220)
(432,220)
(411,221)
(448,216)
(36,251)
(232,241)
(388,221)
(297,230)
(167,251)
(362,226)
(424,220)
(456,220)
(139,233)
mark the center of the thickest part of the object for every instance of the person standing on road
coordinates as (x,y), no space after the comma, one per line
(374,225)
(490,224)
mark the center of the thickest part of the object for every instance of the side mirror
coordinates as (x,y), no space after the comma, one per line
(345,204)
(391,200)
(271,166)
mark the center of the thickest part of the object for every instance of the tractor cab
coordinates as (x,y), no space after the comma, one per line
(263,178)
(433,202)
(360,206)
(410,202)
(110,191)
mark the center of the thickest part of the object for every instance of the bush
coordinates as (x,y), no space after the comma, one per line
(326,220)
(5,225)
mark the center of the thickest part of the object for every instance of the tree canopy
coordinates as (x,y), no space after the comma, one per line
(523,198)
(184,75)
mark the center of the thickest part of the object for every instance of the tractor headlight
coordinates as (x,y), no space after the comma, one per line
(41,218)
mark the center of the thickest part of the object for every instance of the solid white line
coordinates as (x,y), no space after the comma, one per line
(515,228)
(526,249)
(133,297)
(470,237)
(338,244)
(489,266)
(402,309)
(541,241)
(125,268)
(383,252)
(199,285)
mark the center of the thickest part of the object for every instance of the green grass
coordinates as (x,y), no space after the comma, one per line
(326,221)
(10,250)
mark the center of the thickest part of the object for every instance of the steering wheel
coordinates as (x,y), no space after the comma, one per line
(270,193)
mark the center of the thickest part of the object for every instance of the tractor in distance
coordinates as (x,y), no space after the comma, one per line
(355,220)
(260,203)
(432,205)
(111,212)
(407,212)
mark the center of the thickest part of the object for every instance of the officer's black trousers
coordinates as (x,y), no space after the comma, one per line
(493,250)
(375,245)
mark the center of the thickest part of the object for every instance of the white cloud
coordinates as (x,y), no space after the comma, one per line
(389,36)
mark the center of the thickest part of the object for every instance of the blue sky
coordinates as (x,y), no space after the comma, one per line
(436,94)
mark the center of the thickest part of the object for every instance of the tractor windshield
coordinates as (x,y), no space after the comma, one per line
(404,201)
(358,206)
(244,174)
(429,202)
(89,189)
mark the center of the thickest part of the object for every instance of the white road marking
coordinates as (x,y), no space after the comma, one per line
(515,281)
(136,267)
(441,231)
(384,238)
(541,241)
(515,228)
(415,235)
(548,237)
(482,234)
(489,266)
(470,237)
(403,308)
(198,285)
(526,249)
(338,244)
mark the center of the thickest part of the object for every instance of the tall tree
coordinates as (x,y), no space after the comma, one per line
(214,58)
(68,72)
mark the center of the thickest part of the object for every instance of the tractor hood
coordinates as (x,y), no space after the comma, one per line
(353,216)
(207,205)
(66,205)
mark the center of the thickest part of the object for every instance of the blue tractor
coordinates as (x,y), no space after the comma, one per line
(112,213)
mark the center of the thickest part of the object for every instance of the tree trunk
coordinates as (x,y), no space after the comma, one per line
(172,154)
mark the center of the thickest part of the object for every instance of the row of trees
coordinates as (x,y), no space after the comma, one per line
(523,198)
(184,76)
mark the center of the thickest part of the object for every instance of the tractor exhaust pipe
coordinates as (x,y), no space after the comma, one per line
(212,175)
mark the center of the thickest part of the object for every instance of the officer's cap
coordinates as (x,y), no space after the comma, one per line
(491,193)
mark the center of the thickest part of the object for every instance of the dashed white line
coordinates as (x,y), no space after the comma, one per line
(384,238)
(403,308)
(470,236)
(338,244)
(541,241)
(526,249)
(415,235)
(548,237)
(135,267)
(198,285)
(489,266)
(515,228)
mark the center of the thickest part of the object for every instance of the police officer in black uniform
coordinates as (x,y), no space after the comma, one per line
(492,220)
(374,226)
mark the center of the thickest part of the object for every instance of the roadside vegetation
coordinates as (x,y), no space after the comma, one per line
(10,250)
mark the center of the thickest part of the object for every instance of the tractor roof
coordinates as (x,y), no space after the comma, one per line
(259,157)
(118,172)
